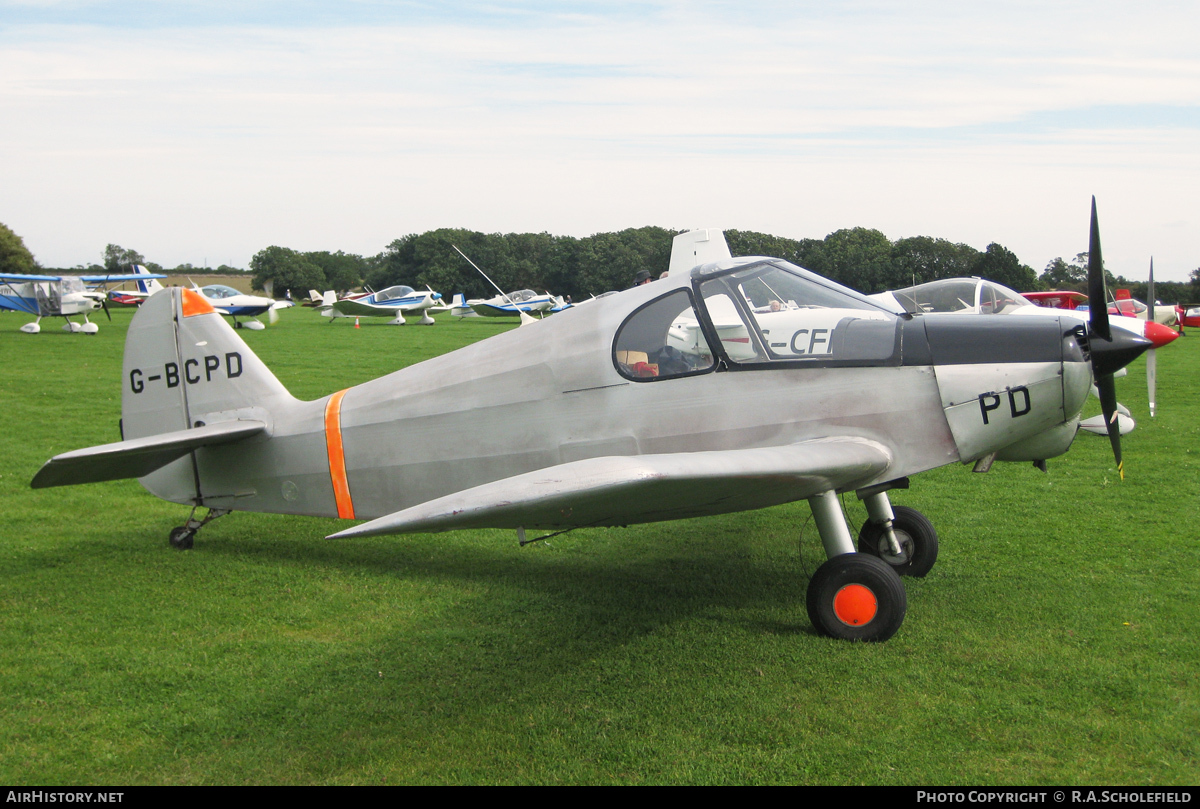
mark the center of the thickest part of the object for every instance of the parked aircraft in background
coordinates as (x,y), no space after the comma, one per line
(605,416)
(1057,299)
(457,307)
(1123,305)
(393,302)
(229,301)
(145,285)
(58,296)
(979,296)
(512,304)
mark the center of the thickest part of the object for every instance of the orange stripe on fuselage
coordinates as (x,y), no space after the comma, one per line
(337,456)
(195,304)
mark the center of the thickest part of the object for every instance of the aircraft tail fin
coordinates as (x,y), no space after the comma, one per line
(189,382)
(185,365)
(325,307)
(697,247)
(149,285)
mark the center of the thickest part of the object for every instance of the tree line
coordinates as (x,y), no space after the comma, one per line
(860,258)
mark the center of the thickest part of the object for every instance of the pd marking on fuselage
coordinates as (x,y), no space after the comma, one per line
(991,401)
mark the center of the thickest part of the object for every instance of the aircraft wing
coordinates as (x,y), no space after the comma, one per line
(491,310)
(137,456)
(112,279)
(355,308)
(621,490)
(17,277)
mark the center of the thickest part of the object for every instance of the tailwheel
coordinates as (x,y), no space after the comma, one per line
(917,537)
(854,596)
(181,538)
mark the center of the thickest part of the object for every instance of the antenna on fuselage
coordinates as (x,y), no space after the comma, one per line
(526,319)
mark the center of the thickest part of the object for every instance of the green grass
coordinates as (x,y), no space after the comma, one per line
(1053,643)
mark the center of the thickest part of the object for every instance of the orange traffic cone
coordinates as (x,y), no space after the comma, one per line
(356,323)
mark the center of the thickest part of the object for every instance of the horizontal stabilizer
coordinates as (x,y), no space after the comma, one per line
(623,490)
(138,456)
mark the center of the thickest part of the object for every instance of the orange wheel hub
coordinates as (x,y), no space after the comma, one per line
(855,605)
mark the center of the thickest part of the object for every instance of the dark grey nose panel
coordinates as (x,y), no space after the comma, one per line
(964,340)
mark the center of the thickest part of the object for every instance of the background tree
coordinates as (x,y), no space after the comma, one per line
(119,260)
(343,271)
(803,252)
(1001,265)
(920,259)
(1061,275)
(860,258)
(14,255)
(287,270)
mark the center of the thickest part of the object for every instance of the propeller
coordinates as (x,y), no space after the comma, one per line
(1100,330)
(104,306)
(1151,358)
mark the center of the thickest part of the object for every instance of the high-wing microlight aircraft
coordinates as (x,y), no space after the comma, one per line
(392,302)
(631,409)
(58,296)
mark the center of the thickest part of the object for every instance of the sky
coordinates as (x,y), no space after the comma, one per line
(203,132)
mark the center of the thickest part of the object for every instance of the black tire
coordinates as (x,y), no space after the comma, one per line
(918,542)
(856,597)
(181,538)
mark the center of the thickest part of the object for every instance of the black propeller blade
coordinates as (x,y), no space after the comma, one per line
(1097,293)
(1109,354)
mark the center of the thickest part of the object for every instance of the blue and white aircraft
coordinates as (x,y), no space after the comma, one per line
(58,296)
(228,301)
(392,302)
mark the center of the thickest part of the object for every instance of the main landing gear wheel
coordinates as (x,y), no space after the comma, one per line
(181,538)
(916,535)
(856,597)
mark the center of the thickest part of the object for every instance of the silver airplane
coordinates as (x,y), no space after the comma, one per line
(742,384)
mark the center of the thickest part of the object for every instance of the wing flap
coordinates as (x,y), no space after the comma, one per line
(622,490)
(138,457)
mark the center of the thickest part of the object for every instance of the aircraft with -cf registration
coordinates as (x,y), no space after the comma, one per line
(632,409)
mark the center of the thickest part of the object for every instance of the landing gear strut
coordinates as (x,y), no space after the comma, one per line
(182,537)
(852,596)
(903,537)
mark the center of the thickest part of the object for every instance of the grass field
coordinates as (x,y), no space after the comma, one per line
(1052,644)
